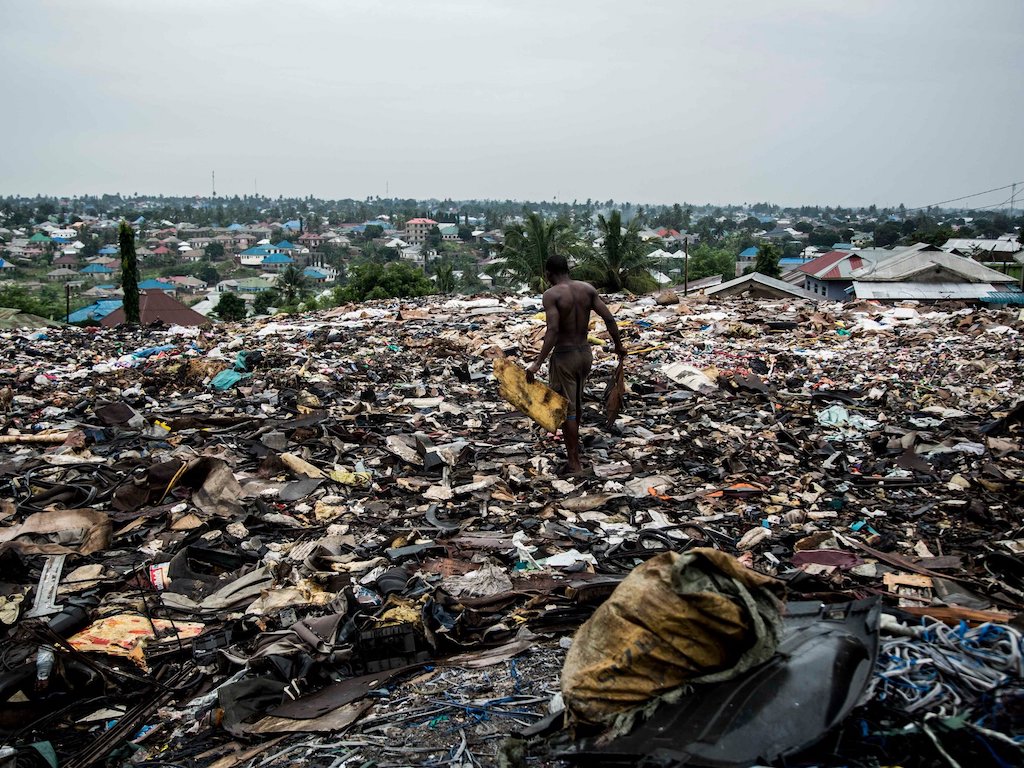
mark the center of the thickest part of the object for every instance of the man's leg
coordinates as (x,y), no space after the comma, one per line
(571,433)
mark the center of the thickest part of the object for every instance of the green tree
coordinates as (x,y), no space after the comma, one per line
(470,282)
(445,278)
(230,307)
(824,238)
(45,303)
(129,273)
(372,251)
(767,263)
(264,301)
(292,284)
(706,261)
(528,245)
(621,261)
(932,234)
(207,273)
(433,239)
(378,281)
(886,234)
(674,218)
(214,251)
(372,231)
(92,248)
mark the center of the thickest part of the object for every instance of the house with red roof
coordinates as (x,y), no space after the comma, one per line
(66,260)
(311,240)
(416,230)
(828,275)
(158,307)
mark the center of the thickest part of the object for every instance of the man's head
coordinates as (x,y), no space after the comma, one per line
(555,267)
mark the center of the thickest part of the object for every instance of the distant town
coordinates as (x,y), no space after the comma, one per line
(228,258)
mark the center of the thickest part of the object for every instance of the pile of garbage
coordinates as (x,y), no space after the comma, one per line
(328,538)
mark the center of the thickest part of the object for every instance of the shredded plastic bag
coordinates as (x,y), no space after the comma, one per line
(616,391)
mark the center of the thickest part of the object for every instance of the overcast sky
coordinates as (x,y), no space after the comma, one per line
(794,101)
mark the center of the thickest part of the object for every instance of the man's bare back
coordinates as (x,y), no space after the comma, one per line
(573,301)
(567,307)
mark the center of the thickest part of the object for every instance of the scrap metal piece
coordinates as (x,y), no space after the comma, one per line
(46,591)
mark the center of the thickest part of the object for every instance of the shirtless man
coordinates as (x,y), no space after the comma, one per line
(567,306)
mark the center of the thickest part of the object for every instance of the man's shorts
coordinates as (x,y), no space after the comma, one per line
(568,369)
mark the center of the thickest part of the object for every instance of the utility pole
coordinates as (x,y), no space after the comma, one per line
(67,302)
(213,183)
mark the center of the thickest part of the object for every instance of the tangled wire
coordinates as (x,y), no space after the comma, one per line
(939,670)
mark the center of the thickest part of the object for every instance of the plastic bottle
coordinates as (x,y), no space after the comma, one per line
(44,665)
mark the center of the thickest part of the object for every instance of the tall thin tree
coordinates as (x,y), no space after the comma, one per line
(129,273)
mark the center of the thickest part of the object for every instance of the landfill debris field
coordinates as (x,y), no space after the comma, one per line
(327,540)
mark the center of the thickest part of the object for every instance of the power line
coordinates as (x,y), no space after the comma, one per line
(998,205)
(965,197)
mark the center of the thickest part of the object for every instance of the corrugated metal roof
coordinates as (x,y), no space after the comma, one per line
(981,244)
(823,262)
(11,318)
(921,291)
(1004,297)
(755,281)
(906,265)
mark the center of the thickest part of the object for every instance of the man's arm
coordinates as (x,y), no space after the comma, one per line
(552,317)
(609,321)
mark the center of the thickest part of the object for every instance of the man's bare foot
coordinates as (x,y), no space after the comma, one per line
(568,469)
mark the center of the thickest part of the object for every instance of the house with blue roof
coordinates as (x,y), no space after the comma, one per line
(746,258)
(96,269)
(156,285)
(277,262)
(283,246)
(294,225)
(842,246)
(253,257)
(315,274)
(387,226)
(95,312)
(108,250)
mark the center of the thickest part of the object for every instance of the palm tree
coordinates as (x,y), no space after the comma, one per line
(528,245)
(445,275)
(292,284)
(620,262)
